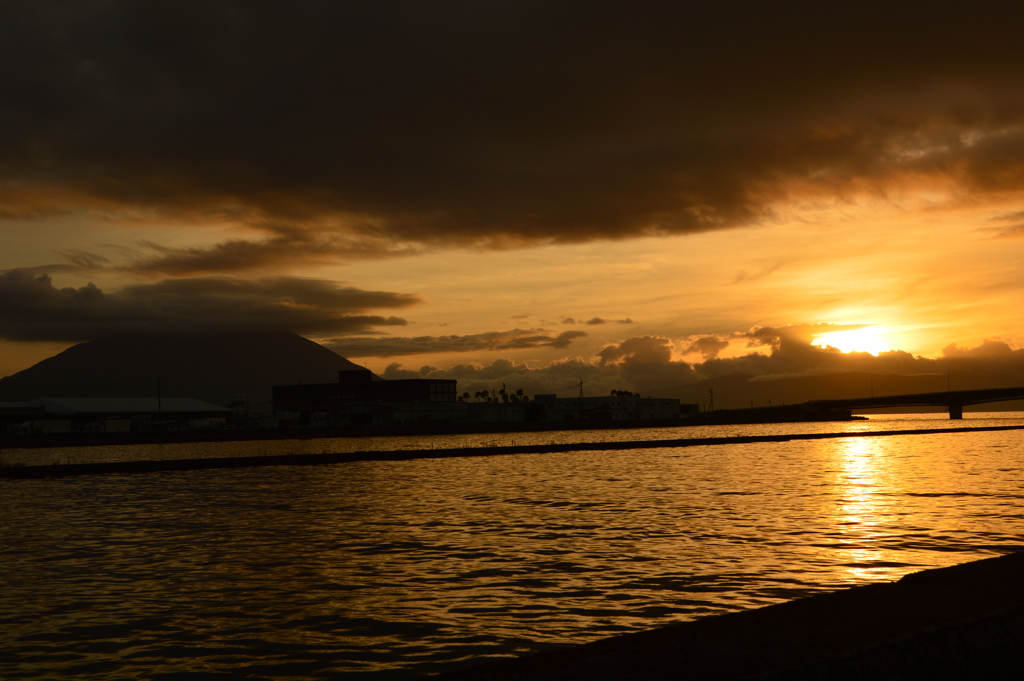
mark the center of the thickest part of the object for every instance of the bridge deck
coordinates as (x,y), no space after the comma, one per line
(955,400)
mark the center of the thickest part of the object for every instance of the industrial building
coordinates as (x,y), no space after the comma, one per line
(360,398)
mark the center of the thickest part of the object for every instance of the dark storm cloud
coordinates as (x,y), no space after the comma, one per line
(517,339)
(33,309)
(365,125)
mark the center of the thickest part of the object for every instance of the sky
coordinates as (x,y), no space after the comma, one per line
(637,196)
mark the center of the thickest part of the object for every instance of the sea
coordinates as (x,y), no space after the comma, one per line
(400,569)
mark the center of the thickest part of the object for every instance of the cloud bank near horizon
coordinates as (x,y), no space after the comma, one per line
(650,364)
(33,309)
(341,131)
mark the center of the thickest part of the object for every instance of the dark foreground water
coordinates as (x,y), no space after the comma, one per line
(396,569)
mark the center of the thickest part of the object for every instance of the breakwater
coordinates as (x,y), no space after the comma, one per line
(718,418)
(58,469)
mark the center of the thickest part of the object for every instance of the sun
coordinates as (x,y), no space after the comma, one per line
(868,339)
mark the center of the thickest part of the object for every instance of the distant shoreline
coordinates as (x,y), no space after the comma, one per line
(150,466)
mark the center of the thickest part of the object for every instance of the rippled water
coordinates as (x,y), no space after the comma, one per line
(315,445)
(396,569)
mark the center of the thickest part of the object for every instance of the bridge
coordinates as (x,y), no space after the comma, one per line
(955,401)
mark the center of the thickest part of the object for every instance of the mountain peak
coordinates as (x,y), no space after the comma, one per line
(212,367)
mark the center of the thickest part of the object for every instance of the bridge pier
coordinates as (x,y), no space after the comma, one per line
(956,411)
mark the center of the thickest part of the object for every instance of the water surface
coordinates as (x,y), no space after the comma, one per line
(393,569)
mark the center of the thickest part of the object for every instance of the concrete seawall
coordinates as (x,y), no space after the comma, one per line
(960,622)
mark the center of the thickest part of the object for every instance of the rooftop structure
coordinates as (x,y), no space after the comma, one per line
(358,398)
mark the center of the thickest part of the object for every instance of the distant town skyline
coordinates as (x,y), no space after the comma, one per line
(539,193)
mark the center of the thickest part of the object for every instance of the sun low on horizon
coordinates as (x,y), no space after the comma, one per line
(870,339)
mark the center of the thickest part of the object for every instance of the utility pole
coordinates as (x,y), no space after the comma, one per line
(158,404)
(711,404)
(579,402)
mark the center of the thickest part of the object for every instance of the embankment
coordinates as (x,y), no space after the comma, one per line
(961,622)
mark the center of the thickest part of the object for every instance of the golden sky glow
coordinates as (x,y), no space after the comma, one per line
(601,205)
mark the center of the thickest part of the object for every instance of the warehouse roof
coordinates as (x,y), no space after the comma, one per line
(117,405)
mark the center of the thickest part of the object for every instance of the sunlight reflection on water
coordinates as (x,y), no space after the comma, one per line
(860,515)
(395,569)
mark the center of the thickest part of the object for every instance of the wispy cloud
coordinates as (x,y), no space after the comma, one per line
(388,346)
(760,273)
(599,320)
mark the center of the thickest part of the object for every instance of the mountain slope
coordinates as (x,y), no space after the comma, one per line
(207,367)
